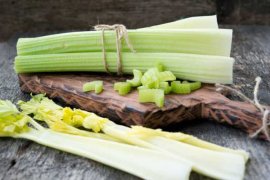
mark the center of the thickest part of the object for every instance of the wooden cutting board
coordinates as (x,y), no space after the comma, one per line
(203,103)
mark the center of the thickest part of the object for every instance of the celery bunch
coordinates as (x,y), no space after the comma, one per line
(205,158)
(193,49)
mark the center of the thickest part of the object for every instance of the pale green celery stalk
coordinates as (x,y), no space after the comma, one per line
(185,138)
(143,137)
(192,41)
(197,22)
(203,68)
(144,163)
(221,165)
(218,165)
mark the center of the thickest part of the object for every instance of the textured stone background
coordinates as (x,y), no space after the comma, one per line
(64,15)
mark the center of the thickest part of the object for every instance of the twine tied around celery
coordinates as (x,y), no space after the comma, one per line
(120,33)
(264,111)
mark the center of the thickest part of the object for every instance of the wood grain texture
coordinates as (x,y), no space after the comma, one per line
(21,159)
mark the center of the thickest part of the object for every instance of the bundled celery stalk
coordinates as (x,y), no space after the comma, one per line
(206,158)
(203,68)
(193,41)
(145,163)
(186,47)
(198,22)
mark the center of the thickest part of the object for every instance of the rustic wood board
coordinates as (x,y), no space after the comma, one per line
(21,159)
(127,109)
(203,103)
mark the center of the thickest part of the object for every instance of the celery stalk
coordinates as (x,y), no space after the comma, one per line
(199,22)
(206,158)
(193,41)
(218,165)
(143,132)
(208,69)
(144,163)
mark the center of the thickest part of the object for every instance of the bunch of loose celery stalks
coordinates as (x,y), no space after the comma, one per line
(144,152)
(192,49)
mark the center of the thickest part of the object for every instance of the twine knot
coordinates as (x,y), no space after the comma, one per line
(120,33)
(264,111)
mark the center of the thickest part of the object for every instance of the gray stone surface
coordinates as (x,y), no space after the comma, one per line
(22,159)
(40,16)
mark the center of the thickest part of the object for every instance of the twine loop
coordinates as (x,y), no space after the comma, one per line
(120,33)
(263,109)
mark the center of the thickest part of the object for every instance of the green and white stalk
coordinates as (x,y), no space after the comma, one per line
(219,165)
(192,41)
(144,163)
(203,68)
(205,158)
(197,22)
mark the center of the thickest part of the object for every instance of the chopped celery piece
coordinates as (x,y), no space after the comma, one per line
(179,88)
(197,22)
(208,69)
(160,67)
(136,81)
(123,88)
(165,86)
(193,85)
(96,86)
(192,41)
(166,76)
(152,95)
(150,78)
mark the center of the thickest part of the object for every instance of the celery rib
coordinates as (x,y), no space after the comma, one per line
(203,41)
(204,68)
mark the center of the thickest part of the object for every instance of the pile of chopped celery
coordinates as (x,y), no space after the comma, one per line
(152,85)
(193,49)
(144,152)
(155,83)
